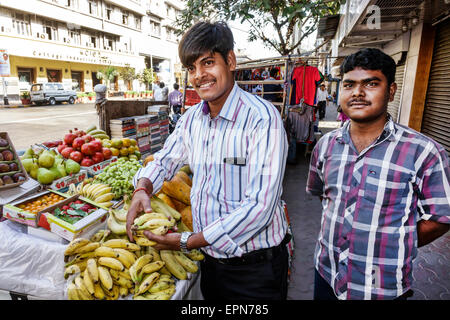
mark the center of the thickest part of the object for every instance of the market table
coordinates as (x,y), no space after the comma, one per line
(34,268)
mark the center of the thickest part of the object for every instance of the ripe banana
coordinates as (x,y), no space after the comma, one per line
(161,284)
(155,223)
(164,294)
(123,291)
(71,270)
(133,274)
(123,282)
(104,198)
(87,248)
(159,205)
(105,278)
(114,274)
(106,204)
(121,243)
(98,291)
(188,264)
(119,214)
(75,244)
(173,265)
(195,255)
(94,188)
(151,267)
(148,216)
(104,251)
(115,226)
(147,283)
(115,294)
(101,191)
(156,257)
(72,292)
(128,254)
(142,261)
(88,283)
(143,241)
(125,259)
(91,268)
(82,290)
(112,263)
(97,236)
(86,255)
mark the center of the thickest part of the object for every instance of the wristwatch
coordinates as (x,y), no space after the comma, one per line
(183,241)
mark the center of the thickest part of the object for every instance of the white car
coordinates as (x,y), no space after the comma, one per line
(51,93)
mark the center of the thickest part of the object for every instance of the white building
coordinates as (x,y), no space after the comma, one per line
(72,40)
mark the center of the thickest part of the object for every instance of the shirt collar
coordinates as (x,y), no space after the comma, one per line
(229,107)
(389,131)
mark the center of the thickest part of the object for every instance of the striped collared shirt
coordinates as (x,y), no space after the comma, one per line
(372,202)
(238,160)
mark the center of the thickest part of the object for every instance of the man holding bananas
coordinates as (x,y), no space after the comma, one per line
(235,144)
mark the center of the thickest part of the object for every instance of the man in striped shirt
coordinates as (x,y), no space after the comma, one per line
(236,146)
(384,189)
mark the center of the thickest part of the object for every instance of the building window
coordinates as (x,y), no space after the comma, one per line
(93,7)
(109,11)
(75,37)
(108,43)
(93,42)
(125,18)
(155,29)
(71,3)
(26,77)
(50,30)
(170,34)
(21,24)
(137,22)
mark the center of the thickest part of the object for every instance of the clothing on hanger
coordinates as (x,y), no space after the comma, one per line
(306,90)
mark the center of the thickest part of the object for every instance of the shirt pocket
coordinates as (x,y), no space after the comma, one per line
(234,179)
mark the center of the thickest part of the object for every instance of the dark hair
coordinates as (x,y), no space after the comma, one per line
(370,59)
(273,72)
(205,37)
(176,86)
(161,84)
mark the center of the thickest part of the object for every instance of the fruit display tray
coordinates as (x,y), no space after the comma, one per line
(4,135)
(98,167)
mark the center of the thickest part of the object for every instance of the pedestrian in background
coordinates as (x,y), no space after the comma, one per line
(176,99)
(156,91)
(164,91)
(238,219)
(322,98)
(384,189)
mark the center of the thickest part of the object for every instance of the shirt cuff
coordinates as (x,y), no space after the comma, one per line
(217,237)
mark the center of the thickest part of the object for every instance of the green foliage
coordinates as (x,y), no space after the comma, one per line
(147,76)
(25,94)
(284,15)
(128,73)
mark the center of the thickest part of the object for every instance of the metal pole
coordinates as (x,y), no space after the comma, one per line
(5,92)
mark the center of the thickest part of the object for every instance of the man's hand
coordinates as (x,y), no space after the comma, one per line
(139,203)
(169,241)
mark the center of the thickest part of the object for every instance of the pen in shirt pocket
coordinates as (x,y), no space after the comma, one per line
(239,161)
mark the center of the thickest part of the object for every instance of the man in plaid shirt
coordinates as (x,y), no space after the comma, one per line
(384,189)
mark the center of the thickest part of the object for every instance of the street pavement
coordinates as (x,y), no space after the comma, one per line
(431,268)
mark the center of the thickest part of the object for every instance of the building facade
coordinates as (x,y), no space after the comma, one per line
(72,41)
(416,34)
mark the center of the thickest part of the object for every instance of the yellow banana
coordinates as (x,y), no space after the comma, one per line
(95,187)
(105,278)
(103,251)
(142,261)
(82,290)
(123,291)
(144,241)
(125,274)
(86,189)
(88,283)
(101,191)
(148,216)
(75,244)
(147,283)
(121,243)
(72,292)
(164,294)
(173,265)
(91,268)
(112,263)
(115,293)
(106,204)
(123,282)
(108,293)
(71,270)
(161,284)
(120,214)
(155,223)
(115,226)
(157,257)
(98,291)
(159,205)
(127,258)
(133,274)
(87,248)
(151,267)
(104,197)
(97,236)
(188,264)
(195,255)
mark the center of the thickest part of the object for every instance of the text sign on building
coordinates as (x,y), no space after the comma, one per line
(5,70)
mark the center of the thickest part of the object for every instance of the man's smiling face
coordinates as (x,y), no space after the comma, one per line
(211,76)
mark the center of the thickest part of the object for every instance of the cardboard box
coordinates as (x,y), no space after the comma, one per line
(4,135)
(98,167)
(62,184)
(70,231)
(13,212)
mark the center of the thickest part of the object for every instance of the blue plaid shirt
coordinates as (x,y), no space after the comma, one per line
(372,202)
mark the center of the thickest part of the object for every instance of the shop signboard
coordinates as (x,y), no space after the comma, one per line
(5,70)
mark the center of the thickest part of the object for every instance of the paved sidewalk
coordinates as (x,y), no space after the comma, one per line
(431,268)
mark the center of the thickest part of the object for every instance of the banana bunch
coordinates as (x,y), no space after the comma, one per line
(100,269)
(97,133)
(98,192)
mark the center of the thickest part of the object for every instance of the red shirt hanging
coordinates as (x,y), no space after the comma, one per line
(311,76)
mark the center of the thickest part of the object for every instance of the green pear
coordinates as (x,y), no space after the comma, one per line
(45,176)
(58,160)
(46,159)
(61,169)
(29,153)
(27,164)
(55,172)
(72,166)
(34,170)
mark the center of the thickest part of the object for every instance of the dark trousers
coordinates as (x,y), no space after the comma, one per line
(323,291)
(266,280)
(321,106)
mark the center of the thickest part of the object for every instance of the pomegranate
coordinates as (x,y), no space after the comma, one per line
(76,156)
(77,143)
(69,137)
(98,157)
(97,145)
(107,154)
(87,138)
(87,162)
(66,152)
(87,149)
(61,147)
(79,133)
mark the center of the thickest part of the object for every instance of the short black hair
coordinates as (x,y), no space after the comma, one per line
(273,72)
(176,86)
(370,59)
(161,84)
(204,37)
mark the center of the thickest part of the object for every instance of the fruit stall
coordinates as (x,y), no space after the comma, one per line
(62,223)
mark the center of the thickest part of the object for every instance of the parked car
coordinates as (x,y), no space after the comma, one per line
(51,93)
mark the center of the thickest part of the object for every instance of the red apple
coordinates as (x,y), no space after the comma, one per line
(77,143)
(69,137)
(97,144)
(87,138)
(87,149)
(87,162)
(76,156)
(66,152)
(98,157)
(107,153)
(61,147)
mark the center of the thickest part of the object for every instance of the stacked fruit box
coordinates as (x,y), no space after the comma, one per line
(155,136)
(122,128)
(143,133)
(163,125)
